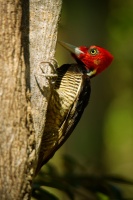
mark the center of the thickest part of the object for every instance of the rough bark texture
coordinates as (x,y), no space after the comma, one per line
(18,149)
(13,130)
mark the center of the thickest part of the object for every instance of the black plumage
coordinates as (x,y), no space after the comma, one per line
(69,98)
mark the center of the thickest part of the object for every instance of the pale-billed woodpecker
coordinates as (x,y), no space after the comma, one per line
(70,96)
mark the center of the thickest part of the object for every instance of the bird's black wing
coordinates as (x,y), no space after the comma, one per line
(73,115)
(69,99)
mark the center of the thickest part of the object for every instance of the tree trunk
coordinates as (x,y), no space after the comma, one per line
(22,105)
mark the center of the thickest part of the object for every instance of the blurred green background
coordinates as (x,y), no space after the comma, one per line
(103,139)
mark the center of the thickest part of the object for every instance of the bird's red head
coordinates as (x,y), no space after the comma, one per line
(95,58)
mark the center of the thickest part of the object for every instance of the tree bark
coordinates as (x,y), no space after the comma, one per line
(44,19)
(22,105)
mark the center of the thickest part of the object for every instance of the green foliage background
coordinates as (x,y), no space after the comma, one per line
(103,139)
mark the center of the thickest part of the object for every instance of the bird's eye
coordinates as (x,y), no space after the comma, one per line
(93,51)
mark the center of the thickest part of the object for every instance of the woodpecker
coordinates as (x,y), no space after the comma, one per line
(70,96)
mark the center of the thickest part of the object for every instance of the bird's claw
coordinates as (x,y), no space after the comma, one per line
(50,76)
(53,67)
